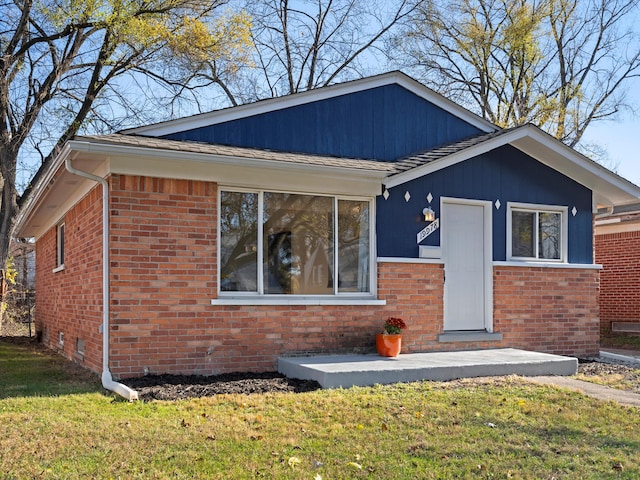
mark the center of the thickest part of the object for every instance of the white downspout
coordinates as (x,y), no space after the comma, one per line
(107,379)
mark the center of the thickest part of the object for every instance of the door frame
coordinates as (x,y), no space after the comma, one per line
(487,206)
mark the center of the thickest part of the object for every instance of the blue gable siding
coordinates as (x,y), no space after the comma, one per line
(383,123)
(504,174)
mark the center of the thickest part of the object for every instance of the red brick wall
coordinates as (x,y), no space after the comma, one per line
(619,254)
(163,270)
(553,310)
(163,277)
(70,301)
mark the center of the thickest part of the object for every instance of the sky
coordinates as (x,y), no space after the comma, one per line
(621,139)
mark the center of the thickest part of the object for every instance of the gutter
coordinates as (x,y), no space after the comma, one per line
(107,379)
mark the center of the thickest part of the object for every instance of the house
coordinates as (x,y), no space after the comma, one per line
(617,247)
(297,225)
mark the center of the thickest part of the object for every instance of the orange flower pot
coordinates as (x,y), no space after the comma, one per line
(388,345)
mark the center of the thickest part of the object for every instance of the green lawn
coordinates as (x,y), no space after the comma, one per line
(58,424)
(631,342)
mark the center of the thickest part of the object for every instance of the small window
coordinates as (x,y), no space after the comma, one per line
(536,232)
(80,346)
(60,245)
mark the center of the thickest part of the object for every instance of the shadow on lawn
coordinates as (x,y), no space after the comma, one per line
(28,369)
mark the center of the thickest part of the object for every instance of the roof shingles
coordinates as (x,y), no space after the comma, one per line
(238,152)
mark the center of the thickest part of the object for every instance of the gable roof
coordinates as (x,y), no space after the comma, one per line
(608,187)
(302,98)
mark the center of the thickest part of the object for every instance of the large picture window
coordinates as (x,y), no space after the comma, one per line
(536,233)
(275,243)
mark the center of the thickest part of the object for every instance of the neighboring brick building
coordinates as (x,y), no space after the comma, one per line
(617,245)
(226,250)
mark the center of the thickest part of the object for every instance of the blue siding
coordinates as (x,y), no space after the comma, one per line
(505,174)
(384,123)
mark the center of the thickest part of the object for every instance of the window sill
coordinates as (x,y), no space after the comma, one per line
(517,263)
(296,301)
(58,269)
(469,337)
(409,260)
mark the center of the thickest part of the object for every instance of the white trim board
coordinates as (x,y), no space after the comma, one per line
(580,266)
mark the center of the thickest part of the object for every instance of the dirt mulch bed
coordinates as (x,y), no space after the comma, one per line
(180,387)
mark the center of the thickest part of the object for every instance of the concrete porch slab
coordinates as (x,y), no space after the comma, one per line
(333,371)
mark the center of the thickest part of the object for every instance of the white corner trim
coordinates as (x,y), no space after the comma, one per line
(262,300)
(581,266)
(409,260)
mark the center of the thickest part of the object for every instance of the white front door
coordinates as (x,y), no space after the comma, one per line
(466,245)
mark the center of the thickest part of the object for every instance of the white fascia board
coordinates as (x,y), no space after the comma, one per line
(293,100)
(608,187)
(276,176)
(39,189)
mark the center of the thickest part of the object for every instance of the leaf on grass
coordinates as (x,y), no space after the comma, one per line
(490,425)
(184,423)
(317,477)
(384,427)
(293,461)
(354,465)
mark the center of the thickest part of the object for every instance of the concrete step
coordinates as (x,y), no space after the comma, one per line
(334,371)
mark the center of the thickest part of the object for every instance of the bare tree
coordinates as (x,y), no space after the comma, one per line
(59,59)
(305,44)
(561,64)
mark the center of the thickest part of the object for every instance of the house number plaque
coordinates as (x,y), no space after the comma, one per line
(428,230)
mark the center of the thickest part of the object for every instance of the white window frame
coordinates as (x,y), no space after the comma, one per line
(60,246)
(259,297)
(537,209)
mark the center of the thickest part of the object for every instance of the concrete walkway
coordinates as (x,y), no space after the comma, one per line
(332,371)
(623,355)
(593,390)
